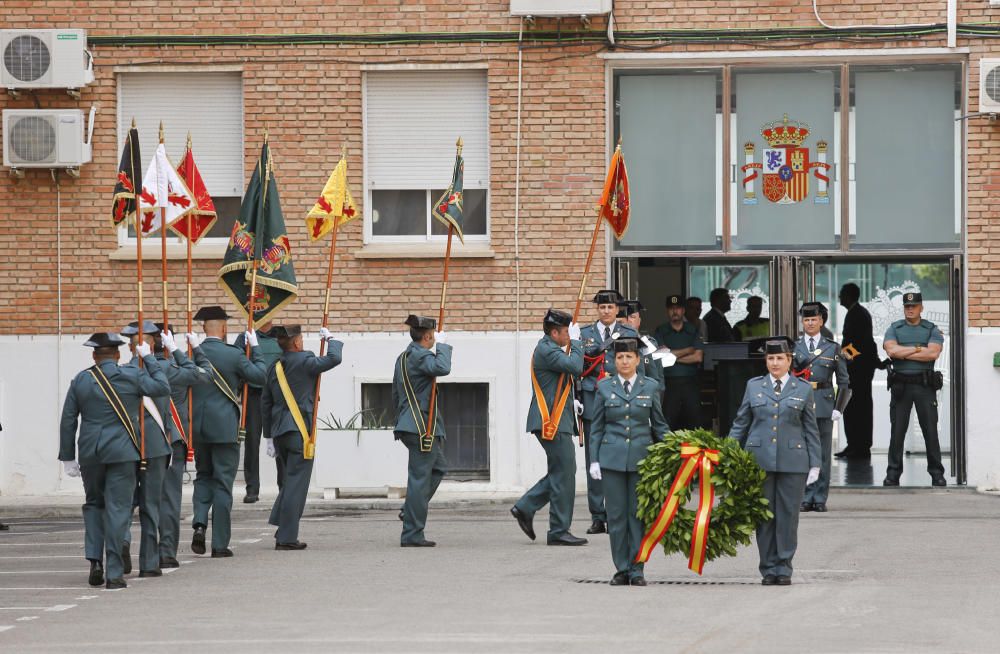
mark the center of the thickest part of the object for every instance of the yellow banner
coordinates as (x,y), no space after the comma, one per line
(335,205)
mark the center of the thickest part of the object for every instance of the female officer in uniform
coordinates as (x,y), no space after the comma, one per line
(776,422)
(627,420)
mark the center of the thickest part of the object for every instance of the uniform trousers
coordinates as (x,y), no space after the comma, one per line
(819,491)
(904,397)
(624,527)
(291,500)
(682,402)
(557,488)
(149,500)
(170,505)
(858,416)
(215,466)
(777,538)
(108,488)
(251,444)
(595,491)
(424,473)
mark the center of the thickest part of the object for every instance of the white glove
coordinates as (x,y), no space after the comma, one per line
(325,334)
(193,340)
(574,332)
(836,415)
(168,341)
(578,405)
(595,471)
(142,349)
(665,357)
(439,337)
(270,447)
(251,337)
(71,468)
(650,348)
(812,477)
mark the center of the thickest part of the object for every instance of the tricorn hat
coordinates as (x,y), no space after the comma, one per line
(104,339)
(627,307)
(812,310)
(779,345)
(909,299)
(608,296)
(148,327)
(626,344)
(285,331)
(557,317)
(214,312)
(420,322)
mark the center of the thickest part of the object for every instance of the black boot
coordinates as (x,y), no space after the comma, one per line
(96,574)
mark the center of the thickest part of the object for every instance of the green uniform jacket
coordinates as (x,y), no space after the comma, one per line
(594,343)
(825,365)
(301,370)
(650,366)
(216,417)
(625,424)
(157,439)
(422,367)
(551,362)
(781,433)
(182,374)
(267,348)
(103,438)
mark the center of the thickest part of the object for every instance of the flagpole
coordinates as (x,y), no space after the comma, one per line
(190,329)
(322,343)
(136,190)
(163,244)
(251,306)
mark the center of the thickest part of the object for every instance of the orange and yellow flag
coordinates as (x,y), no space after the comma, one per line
(335,205)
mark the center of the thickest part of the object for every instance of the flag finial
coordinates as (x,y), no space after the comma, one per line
(619,142)
(133,122)
(343,151)
(265,134)
(459,144)
(189,141)
(161,131)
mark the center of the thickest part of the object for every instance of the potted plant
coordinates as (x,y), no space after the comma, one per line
(371,459)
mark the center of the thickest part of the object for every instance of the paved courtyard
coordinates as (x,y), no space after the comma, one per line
(881,572)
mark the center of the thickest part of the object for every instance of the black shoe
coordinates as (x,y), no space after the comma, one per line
(419,543)
(567,539)
(151,573)
(4,527)
(843,454)
(400,515)
(805,507)
(939,481)
(224,553)
(126,559)
(250,499)
(620,579)
(198,540)
(637,581)
(96,577)
(890,482)
(169,562)
(112,584)
(598,527)
(768,580)
(297,545)
(858,456)
(524,522)
(819,507)
(783,580)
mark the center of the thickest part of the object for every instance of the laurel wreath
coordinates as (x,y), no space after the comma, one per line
(739,482)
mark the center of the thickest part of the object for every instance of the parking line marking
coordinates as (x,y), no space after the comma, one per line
(38,572)
(53,556)
(27,618)
(6,627)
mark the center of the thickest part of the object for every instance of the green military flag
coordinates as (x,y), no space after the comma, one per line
(260,243)
(448,209)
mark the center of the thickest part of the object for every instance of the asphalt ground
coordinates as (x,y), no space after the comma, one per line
(905,571)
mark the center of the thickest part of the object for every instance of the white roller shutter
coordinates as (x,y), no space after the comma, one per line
(209,105)
(412,120)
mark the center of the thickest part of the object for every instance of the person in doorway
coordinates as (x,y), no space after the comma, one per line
(692,314)
(753,326)
(817,361)
(776,422)
(682,392)
(269,353)
(716,324)
(914,344)
(858,341)
(627,422)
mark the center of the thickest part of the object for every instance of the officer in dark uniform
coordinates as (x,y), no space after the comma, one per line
(425,359)
(681,398)
(716,324)
(628,420)
(630,314)
(913,344)
(287,405)
(551,419)
(776,422)
(269,353)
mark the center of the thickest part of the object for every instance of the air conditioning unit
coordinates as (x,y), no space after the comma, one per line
(989,86)
(558,8)
(40,59)
(46,138)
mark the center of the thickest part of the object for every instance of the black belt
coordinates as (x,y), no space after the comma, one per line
(909,378)
(821,385)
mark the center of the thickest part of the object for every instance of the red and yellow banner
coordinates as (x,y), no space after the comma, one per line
(698,461)
(614,205)
(334,207)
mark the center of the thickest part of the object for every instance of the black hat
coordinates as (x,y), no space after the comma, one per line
(629,307)
(104,339)
(420,322)
(284,331)
(910,299)
(812,309)
(626,344)
(169,327)
(214,312)
(608,296)
(557,317)
(148,327)
(779,345)
(675,301)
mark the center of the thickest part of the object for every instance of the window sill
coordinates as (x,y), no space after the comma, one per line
(424,251)
(175,251)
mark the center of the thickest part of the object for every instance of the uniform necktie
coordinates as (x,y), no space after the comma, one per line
(628,387)
(777,385)
(812,344)
(607,332)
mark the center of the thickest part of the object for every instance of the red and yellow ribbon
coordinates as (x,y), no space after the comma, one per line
(699,461)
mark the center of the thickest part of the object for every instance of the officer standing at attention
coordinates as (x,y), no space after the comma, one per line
(630,314)
(816,361)
(627,422)
(269,352)
(913,344)
(217,409)
(599,362)
(287,405)
(182,374)
(425,359)
(551,419)
(104,399)
(776,422)
(682,396)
